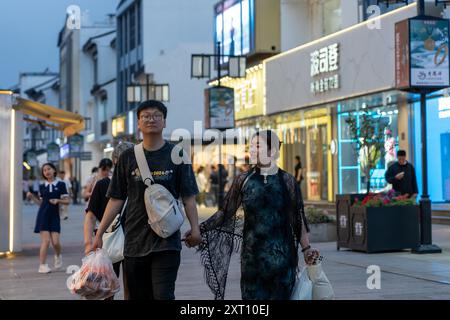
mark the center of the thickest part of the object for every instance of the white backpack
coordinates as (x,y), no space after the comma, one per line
(165,213)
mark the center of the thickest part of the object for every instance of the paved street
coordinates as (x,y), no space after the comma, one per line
(404,275)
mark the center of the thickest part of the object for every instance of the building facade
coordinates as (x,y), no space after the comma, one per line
(42,87)
(155,41)
(83,76)
(328,70)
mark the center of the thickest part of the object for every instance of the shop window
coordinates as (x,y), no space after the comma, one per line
(352,162)
(438,148)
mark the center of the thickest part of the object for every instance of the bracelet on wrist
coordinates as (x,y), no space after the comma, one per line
(306,248)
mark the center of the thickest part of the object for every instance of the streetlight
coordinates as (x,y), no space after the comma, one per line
(200,69)
(147,91)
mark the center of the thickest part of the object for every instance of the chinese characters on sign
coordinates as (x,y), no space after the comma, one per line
(325,60)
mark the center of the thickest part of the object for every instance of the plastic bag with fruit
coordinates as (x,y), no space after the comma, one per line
(95,280)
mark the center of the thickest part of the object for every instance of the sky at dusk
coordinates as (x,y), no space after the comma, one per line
(29,33)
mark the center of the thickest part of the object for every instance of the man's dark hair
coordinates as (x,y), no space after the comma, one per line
(62,172)
(297,158)
(149,104)
(105,164)
(401,153)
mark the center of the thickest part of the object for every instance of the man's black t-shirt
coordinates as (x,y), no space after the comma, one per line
(98,201)
(179,179)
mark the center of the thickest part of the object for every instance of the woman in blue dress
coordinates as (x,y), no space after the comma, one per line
(269,234)
(52,193)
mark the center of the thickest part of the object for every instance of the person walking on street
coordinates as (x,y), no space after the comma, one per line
(402,176)
(64,209)
(151,262)
(97,205)
(298,170)
(275,227)
(87,190)
(202,184)
(75,189)
(51,194)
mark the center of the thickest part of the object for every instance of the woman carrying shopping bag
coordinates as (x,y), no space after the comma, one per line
(98,202)
(52,193)
(269,234)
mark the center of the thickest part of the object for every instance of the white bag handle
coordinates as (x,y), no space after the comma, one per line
(142,164)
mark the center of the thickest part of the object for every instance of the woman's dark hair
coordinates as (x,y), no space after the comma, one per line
(297,158)
(94,170)
(271,139)
(152,104)
(51,165)
(105,164)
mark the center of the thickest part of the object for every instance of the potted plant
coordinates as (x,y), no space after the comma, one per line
(321,225)
(381,222)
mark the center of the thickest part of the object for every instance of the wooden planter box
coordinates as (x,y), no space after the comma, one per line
(376,229)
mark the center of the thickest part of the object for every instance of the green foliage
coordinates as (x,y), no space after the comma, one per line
(314,215)
(368,135)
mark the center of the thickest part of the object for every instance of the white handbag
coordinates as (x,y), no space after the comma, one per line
(303,287)
(312,284)
(114,238)
(321,286)
(165,213)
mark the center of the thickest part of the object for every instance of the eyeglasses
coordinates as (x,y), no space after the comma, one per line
(148,117)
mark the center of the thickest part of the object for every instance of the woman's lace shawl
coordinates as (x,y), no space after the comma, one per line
(222,233)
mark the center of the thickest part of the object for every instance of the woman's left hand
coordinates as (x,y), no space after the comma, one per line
(54,201)
(311,255)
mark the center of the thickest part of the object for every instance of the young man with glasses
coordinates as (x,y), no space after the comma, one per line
(151,262)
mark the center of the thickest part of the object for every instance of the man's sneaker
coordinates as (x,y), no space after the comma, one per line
(58,262)
(44,268)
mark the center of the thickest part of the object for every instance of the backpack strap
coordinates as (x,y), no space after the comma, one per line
(146,175)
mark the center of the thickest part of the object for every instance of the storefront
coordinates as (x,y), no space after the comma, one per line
(438,141)
(312,89)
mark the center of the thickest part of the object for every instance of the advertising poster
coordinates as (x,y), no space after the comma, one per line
(429,53)
(221,107)
(76,143)
(233,27)
(53,152)
(402,55)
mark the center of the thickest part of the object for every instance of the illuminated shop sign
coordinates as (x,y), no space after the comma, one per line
(234,26)
(324,65)
(118,126)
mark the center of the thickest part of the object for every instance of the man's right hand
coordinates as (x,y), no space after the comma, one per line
(97,244)
(399,176)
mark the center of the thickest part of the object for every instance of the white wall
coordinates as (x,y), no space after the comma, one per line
(295,23)
(173,31)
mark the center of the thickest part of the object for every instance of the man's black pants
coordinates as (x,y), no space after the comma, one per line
(152,277)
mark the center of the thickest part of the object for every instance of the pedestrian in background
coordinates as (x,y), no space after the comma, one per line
(75,189)
(298,170)
(64,209)
(202,183)
(52,193)
(89,186)
(402,176)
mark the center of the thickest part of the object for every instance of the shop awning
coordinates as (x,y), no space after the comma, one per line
(68,122)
